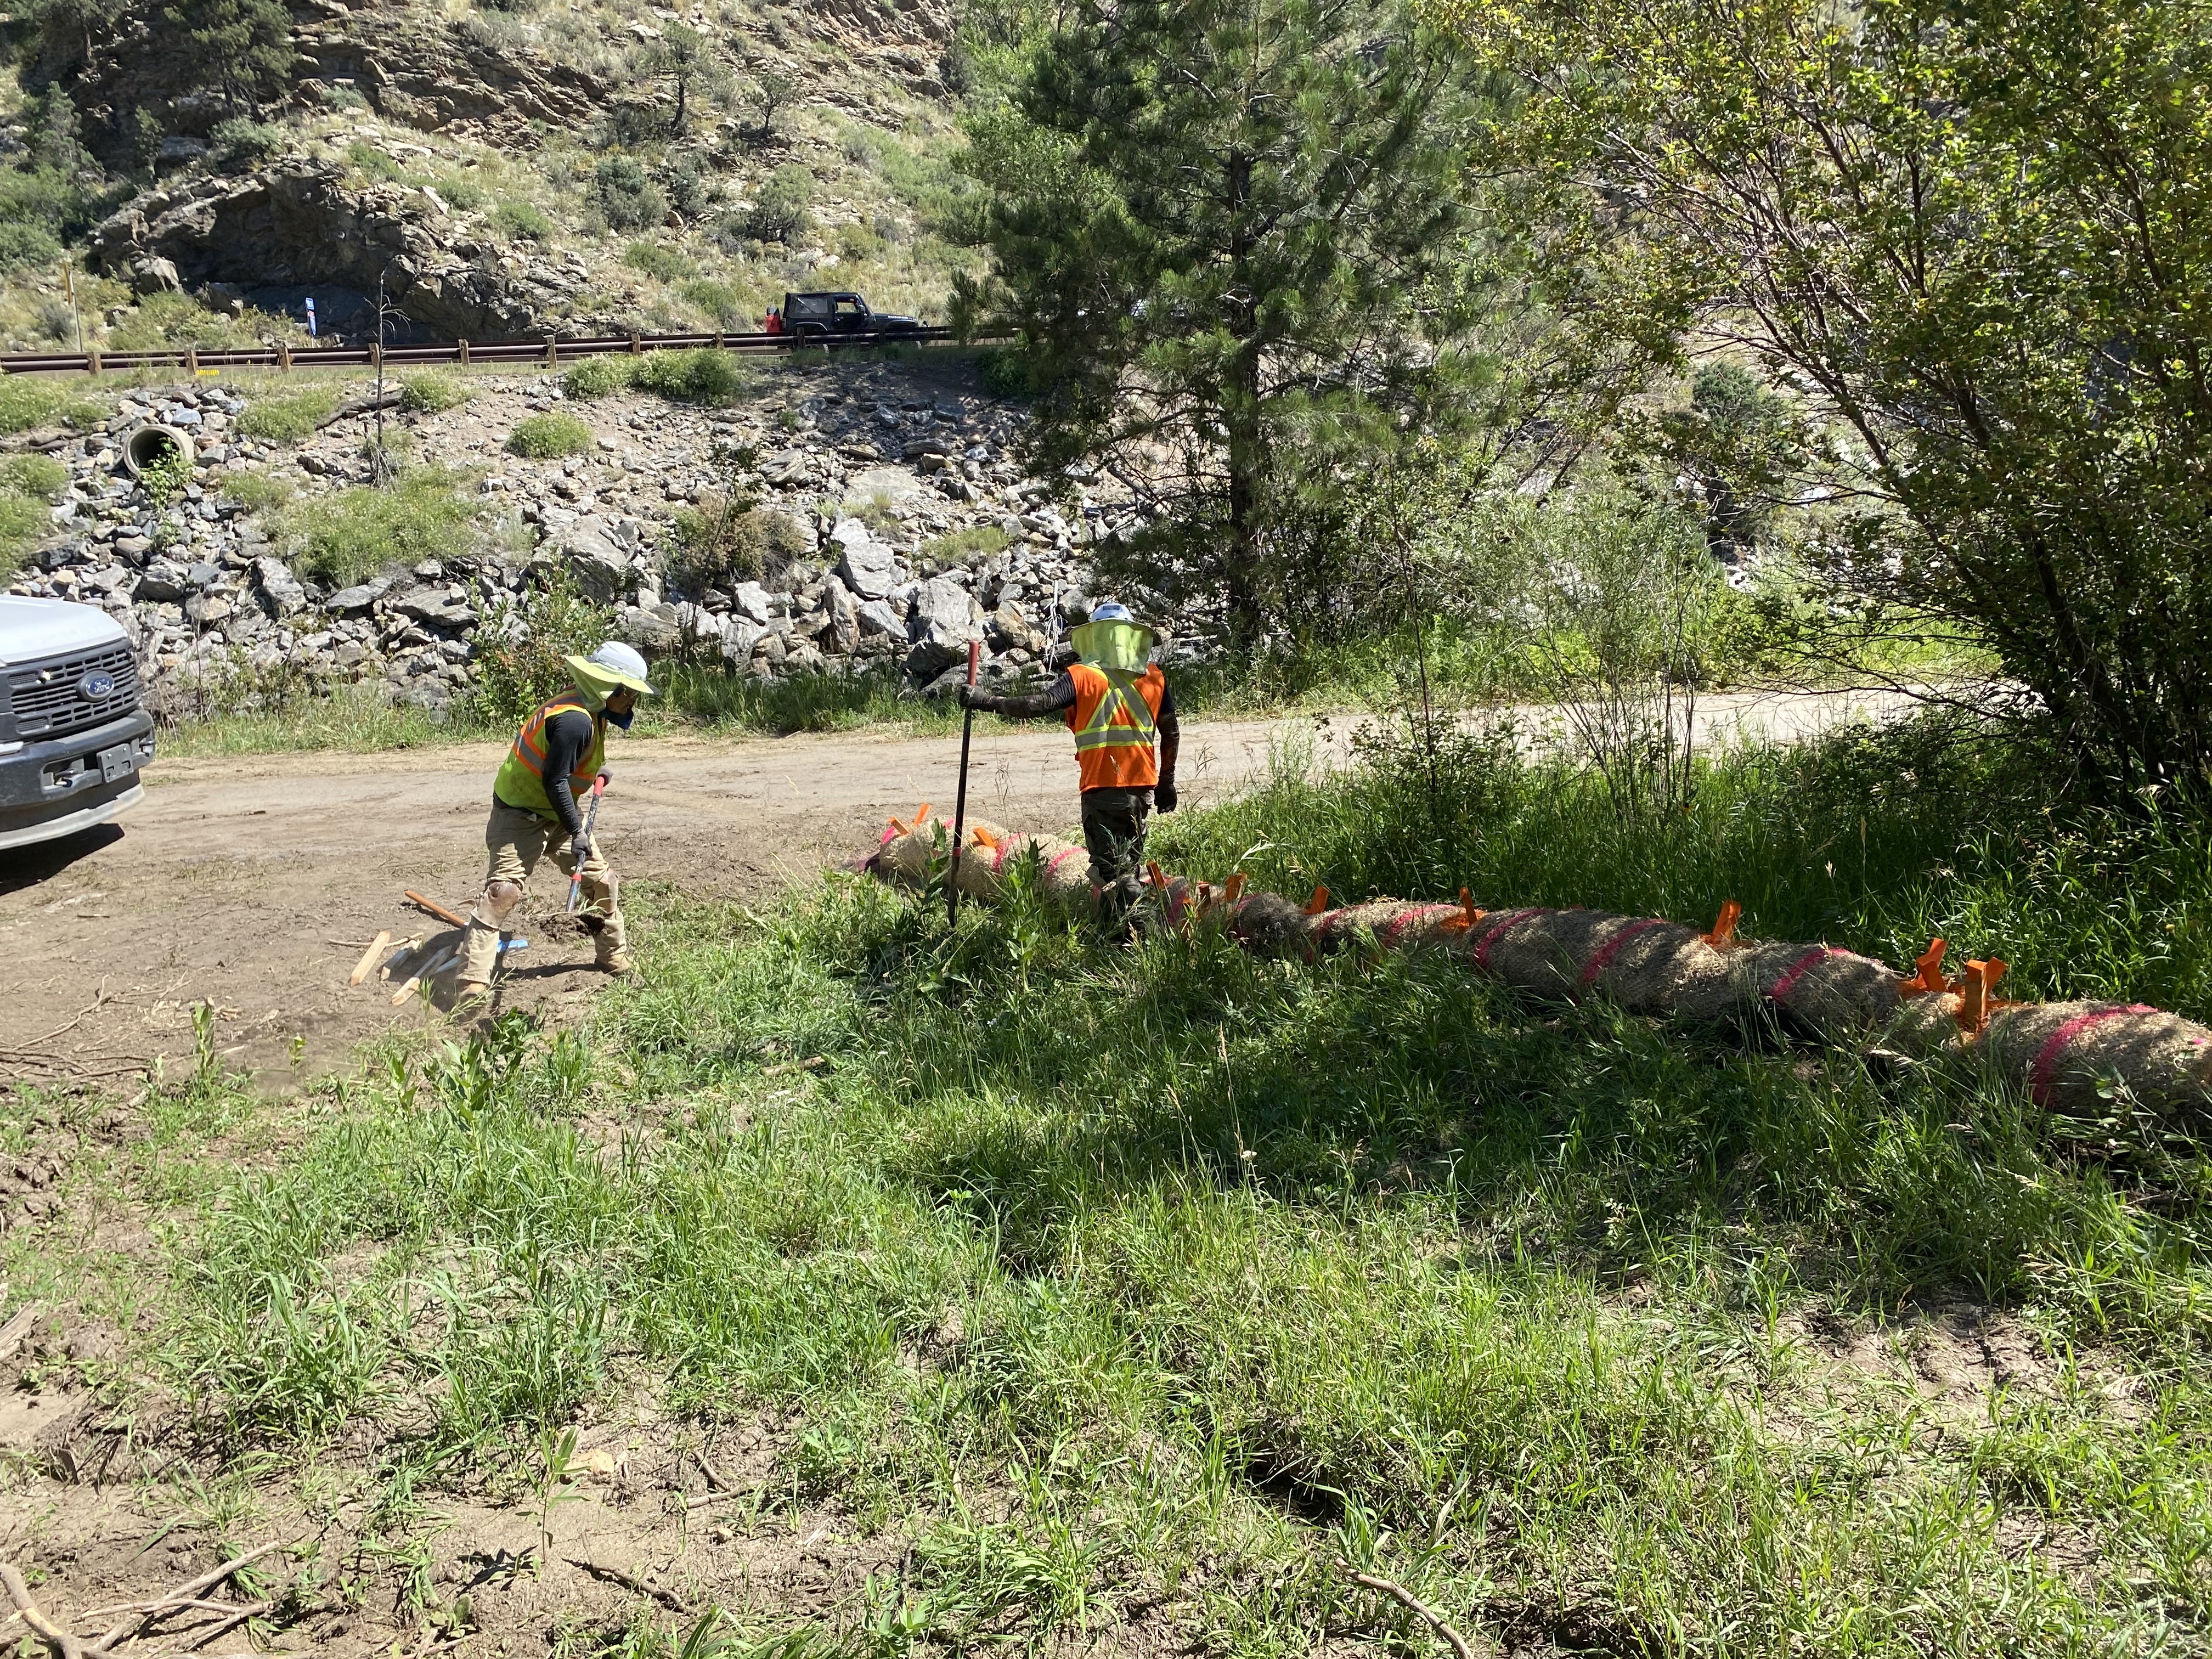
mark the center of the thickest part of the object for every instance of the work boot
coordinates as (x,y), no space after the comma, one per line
(617,961)
(470,997)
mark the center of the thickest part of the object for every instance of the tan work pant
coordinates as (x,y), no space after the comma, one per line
(517,840)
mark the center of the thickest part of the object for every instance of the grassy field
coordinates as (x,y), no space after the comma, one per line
(1139,1296)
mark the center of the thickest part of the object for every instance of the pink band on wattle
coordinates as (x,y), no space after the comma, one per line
(2046,1057)
(1490,934)
(1612,948)
(1799,968)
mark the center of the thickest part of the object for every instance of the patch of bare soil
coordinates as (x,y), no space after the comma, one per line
(256,883)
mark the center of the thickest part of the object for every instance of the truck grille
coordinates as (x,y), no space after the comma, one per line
(49,703)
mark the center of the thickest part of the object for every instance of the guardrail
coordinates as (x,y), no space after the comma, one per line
(548,349)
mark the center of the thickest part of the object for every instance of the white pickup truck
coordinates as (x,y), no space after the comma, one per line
(72,734)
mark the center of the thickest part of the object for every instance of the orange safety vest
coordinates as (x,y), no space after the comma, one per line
(521,781)
(1115,720)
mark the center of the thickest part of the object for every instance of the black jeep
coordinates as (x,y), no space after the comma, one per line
(820,315)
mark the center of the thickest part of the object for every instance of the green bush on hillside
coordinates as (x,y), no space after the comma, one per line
(547,437)
(657,260)
(354,534)
(781,209)
(595,377)
(704,376)
(626,196)
(522,221)
(286,417)
(430,391)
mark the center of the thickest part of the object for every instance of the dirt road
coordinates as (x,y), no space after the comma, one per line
(254,883)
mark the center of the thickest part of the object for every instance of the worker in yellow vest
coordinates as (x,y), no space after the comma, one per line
(1117,703)
(560,752)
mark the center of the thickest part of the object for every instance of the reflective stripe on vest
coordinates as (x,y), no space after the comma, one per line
(521,781)
(1115,722)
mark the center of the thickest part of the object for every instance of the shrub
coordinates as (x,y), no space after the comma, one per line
(372,162)
(23,524)
(595,377)
(690,188)
(1007,372)
(657,260)
(516,676)
(544,437)
(54,321)
(780,212)
(24,245)
(522,221)
(721,301)
(858,242)
(628,198)
(978,541)
(257,492)
(38,476)
(245,141)
(705,376)
(428,392)
(285,417)
(351,535)
(723,542)
(462,191)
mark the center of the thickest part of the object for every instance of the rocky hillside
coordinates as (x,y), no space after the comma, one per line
(500,170)
(832,518)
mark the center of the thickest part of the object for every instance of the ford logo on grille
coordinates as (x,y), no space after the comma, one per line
(95,685)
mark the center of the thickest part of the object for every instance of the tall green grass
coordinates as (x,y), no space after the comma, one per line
(1139,1287)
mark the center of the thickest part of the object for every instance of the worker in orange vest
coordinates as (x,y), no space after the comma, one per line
(1117,703)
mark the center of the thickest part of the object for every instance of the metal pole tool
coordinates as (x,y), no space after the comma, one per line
(960,801)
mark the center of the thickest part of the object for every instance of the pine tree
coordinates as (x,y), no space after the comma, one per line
(1220,228)
(244,47)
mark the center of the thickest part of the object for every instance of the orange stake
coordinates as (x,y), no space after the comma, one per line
(1723,929)
(1976,1005)
(1318,902)
(1929,979)
(1235,889)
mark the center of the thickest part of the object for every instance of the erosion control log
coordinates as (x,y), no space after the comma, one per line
(2063,1055)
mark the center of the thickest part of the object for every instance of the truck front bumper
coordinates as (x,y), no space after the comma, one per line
(63,785)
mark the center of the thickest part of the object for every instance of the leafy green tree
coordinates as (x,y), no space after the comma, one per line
(1739,443)
(1230,237)
(1976,230)
(685,56)
(244,46)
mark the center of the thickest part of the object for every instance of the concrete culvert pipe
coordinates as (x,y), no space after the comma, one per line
(152,443)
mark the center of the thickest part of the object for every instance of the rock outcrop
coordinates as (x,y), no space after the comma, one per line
(297,224)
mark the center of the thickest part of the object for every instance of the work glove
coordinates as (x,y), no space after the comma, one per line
(973,696)
(582,847)
(606,776)
(1163,797)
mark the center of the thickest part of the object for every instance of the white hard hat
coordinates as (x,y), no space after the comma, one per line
(613,664)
